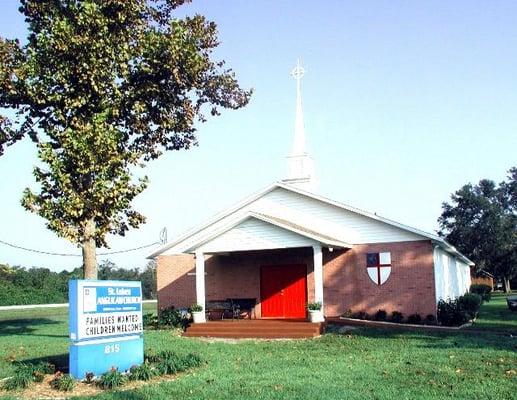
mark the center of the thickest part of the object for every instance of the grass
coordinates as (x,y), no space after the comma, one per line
(360,364)
(495,316)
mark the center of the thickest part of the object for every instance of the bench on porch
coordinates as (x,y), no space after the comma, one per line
(230,308)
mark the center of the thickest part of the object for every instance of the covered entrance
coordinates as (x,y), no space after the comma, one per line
(278,286)
(283,291)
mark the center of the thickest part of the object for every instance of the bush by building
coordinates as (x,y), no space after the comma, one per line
(485,291)
(456,312)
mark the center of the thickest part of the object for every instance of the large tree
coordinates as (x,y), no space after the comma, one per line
(103,86)
(481,221)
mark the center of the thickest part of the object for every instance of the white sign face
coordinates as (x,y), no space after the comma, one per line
(105,309)
(89,300)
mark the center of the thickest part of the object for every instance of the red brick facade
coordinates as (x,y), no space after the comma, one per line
(409,289)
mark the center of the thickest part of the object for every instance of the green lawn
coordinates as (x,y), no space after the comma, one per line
(361,364)
(496,316)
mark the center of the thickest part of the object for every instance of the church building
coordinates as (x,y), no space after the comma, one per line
(286,246)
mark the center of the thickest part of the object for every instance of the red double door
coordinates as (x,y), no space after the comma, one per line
(283,291)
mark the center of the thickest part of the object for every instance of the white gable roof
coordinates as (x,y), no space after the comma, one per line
(306,214)
(254,231)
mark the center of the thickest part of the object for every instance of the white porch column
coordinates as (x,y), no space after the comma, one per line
(200,281)
(318,274)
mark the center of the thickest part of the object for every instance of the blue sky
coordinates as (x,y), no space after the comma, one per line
(404,102)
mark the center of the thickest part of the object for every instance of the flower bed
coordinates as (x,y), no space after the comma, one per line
(41,380)
(396,325)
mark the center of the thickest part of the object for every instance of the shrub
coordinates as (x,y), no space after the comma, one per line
(23,376)
(381,315)
(414,319)
(88,377)
(168,362)
(470,303)
(172,317)
(38,376)
(142,372)
(191,360)
(316,306)
(485,291)
(111,379)
(450,313)
(196,308)
(63,382)
(347,314)
(361,315)
(430,319)
(397,317)
(42,367)
(150,320)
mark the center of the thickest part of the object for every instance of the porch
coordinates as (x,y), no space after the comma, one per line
(257,329)
(273,284)
(271,263)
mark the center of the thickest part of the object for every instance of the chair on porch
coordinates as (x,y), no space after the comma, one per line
(218,309)
(243,308)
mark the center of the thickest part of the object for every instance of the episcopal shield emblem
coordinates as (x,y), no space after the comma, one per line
(378,266)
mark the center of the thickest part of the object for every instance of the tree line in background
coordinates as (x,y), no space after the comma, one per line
(481,222)
(19,285)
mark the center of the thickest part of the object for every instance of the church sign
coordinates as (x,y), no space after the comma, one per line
(105,326)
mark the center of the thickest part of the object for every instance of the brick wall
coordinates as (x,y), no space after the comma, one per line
(174,285)
(409,289)
(235,275)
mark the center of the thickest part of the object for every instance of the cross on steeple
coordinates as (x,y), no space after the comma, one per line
(298,71)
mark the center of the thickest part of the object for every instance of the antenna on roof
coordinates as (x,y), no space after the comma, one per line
(163,236)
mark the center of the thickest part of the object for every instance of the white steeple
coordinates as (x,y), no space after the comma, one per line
(301,166)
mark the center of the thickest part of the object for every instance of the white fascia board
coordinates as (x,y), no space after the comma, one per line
(193,246)
(213,220)
(323,240)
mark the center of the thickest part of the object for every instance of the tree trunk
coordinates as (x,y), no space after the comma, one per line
(89,251)
(507,288)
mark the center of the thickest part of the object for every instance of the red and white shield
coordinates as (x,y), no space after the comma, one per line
(378,266)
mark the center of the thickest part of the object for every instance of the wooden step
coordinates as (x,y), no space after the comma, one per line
(264,330)
(273,329)
(237,335)
(211,325)
(245,326)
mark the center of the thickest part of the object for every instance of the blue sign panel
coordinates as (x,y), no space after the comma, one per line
(114,299)
(105,325)
(100,309)
(99,356)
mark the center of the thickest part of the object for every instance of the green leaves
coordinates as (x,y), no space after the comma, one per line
(482,223)
(103,86)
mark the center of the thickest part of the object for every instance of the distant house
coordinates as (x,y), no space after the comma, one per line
(285,246)
(482,277)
